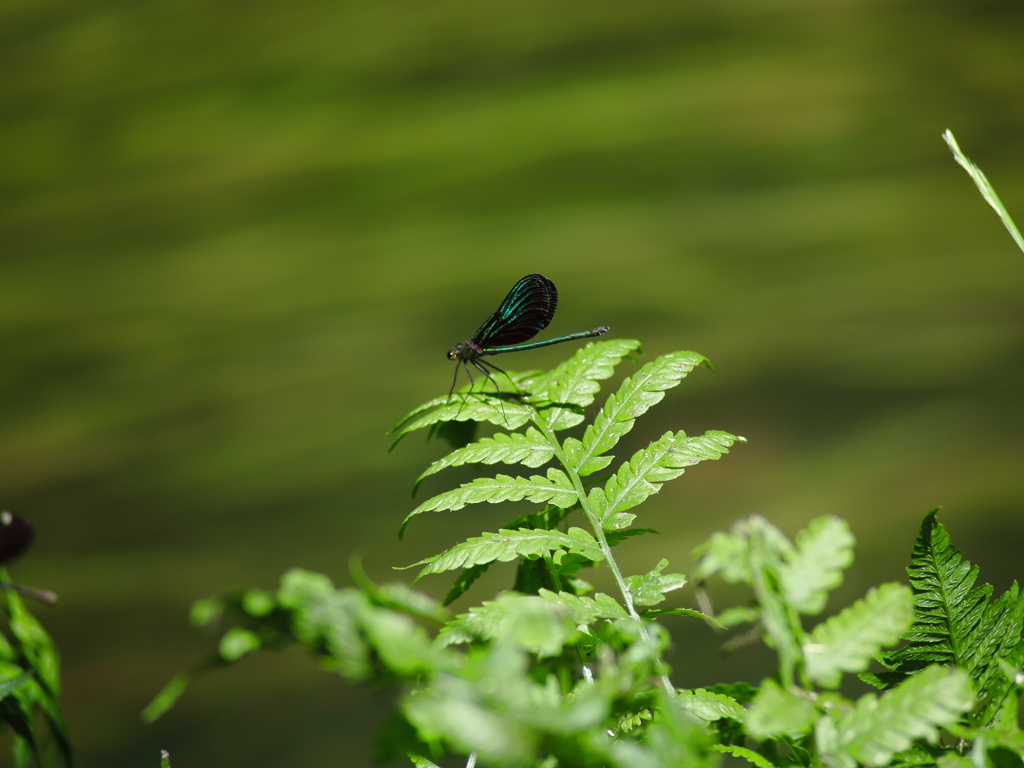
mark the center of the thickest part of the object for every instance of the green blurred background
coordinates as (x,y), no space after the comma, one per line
(238,238)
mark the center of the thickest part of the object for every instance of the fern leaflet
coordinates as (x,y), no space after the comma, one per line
(555,488)
(529,448)
(507,545)
(645,472)
(848,641)
(637,394)
(571,386)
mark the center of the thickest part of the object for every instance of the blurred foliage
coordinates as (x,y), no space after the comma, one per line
(30,687)
(223,224)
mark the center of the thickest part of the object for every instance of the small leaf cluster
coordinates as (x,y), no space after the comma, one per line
(490,699)
(30,686)
(798,717)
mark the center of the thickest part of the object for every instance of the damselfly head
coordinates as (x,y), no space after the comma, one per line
(453,353)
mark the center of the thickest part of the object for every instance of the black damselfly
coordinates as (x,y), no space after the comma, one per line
(524,313)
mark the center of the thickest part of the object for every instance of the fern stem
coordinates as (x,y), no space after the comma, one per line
(602,540)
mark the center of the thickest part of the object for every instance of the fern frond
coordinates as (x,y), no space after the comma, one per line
(506,545)
(479,407)
(529,448)
(997,702)
(547,519)
(709,706)
(954,624)
(755,758)
(572,385)
(526,621)
(556,488)
(880,726)
(585,610)
(435,403)
(824,549)
(777,711)
(637,394)
(848,641)
(645,472)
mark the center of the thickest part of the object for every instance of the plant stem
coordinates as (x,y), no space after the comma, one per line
(602,539)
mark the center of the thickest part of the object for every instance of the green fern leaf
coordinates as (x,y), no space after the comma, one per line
(525,621)
(710,706)
(737,615)
(507,545)
(637,394)
(7,687)
(475,407)
(556,488)
(573,450)
(998,707)
(632,720)
(529,448)
(777,711)
(824,549)
(617,537)
(848,641)
(650,588)
(585,610)
(645,472)
(654,613)
(726,552)
(548,518)
(571,386)
(878,727)
(954,624)
(435,403)
(759,760)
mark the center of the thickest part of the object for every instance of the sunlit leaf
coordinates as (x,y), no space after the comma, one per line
(710,706)
(500,411)
(880,726)
(777,712)
(649,468)
(760,761)
(529,622)
(572,385)
(848,641)
(556,488)
(824,549)
(585,610)
(636,395)
(506,545)
(529,448)
(7,687)
(728,553)
(650,588)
